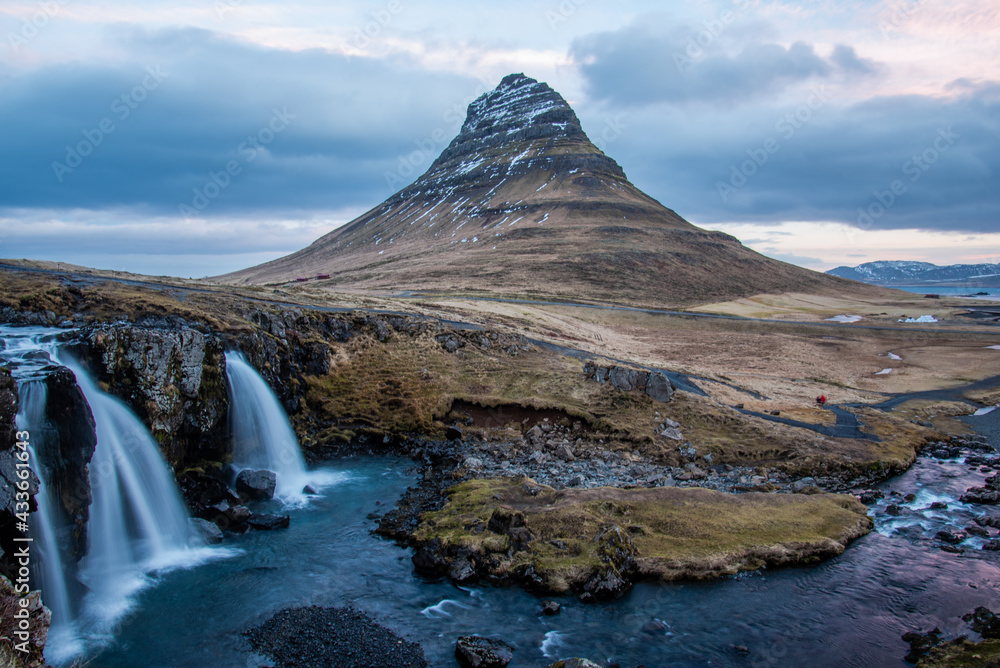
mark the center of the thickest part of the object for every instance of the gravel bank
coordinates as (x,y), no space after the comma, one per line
(316,637)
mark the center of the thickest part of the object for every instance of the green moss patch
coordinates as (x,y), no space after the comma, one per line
(688,533)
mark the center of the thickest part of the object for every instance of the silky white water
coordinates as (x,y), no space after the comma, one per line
(138,526)
(49,570)
(262,435)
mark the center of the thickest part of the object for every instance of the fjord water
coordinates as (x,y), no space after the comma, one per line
(849,611)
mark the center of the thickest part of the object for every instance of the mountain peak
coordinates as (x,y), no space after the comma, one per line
(519,110)
(521,201)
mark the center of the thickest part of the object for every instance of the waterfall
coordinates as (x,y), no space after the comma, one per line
(49,570)
(138,525)
(138,522)
(262,436)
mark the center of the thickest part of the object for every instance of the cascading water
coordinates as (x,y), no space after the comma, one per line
(262,436)
(49,568)
(137,519)
(138,525)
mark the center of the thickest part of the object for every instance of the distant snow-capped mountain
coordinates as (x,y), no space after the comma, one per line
(921,274)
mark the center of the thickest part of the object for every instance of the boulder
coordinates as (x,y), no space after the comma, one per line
(254,485)
(504,519)
(207,531)
(617,555)
(565,453)
(550,608)
(462,569)
(453,434)
(658,387)
(624,379)
(480,652)
(952,537)
(673,433)
(429,559)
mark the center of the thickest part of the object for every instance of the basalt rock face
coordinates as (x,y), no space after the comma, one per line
(70,437)
(174,377)
(522,201)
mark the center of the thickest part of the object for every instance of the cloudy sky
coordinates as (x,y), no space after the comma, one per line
(194,137)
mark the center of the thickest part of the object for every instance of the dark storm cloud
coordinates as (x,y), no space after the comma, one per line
(719,62)
(145,133)
(824,161)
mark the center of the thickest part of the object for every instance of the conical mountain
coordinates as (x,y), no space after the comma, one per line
(522,202)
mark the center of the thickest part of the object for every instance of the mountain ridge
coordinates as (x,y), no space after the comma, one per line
(889,273)
(522,202)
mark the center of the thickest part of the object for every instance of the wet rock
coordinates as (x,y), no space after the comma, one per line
(951,537)
(981,496)
(550,608)
(951,549)
(974,530)
(656,627)
(308,489)
(263,522)
(429,559)
(256,485)
(742,650)
(992,546)
(939,505)
(870,497)
(206,530)
(984,622)
(617,556)
(921,643)
(480,652)
(575,663)
(462,569)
